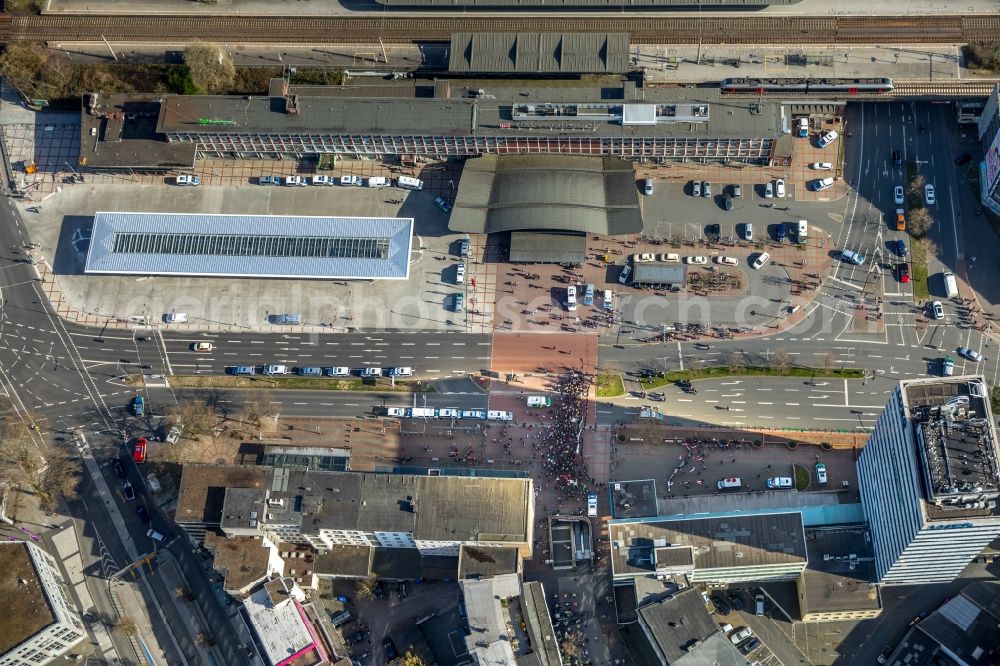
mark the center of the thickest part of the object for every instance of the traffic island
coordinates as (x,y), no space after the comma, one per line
(751,371)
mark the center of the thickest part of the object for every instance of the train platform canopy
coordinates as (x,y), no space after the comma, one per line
(655,273)
(547,248)
(264,246)
(583,194)
(539,53)
(553,5)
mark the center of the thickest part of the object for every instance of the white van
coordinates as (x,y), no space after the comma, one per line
(408,183)
(779,482)
(802,230)
(377,181)
(539,401)
(608,302)
(495,415)
(950,285)
(730,483)
(571,299)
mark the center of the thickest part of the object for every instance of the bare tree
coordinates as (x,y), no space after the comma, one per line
(59,477)
(195,417)
(411,659)
(365,588)
(22,65)
(826,361)
(781,360)
(735,362)
(127,625)
(916,188)
(571,644)
(258,406)
(211,68)
(920,222)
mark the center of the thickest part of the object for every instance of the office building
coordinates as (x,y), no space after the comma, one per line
(39,622)
(929,480)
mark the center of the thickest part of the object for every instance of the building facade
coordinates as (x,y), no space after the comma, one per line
(929,480)
(39,622)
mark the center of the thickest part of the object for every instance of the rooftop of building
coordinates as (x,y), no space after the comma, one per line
(203,487)
(965,627)
(684,633)
(840,575)
(633,499)
(538,621)
(274,246)
(608,106)
(712,543)
(956,446)
(120,131)
(26,607)
(243,560)
(583,194)
(539,52)
(280,628)
(348,561)
(487,561)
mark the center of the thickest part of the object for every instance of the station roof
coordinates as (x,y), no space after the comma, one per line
(539,52)
(547,193)
(547,248)
(583,4)
(273,246)
(512,107)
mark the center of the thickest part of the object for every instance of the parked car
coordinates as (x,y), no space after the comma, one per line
(852,257)
(441,203)
(243,370)
(460,274)
(779,188)
(139,450)
(827,138)
(821,166)
(748,231)
(947,366)
(371,372)
(901,248)
(736,601)
(820,473)
(321,180)
(464,247)
(459,303)
(749,646)
(643,258)
(337,372)
(937,310)
(706,189)
(721,607)
(275,369)
(897,158)
(119,470)
(970,354)
(351,181)
(138,405)
(822,184)
(175,317)
(727,202)
(295,181)
(310,371)
(269,180)
(768,190)
(780,232)
(898,196)
(142,512)
(128,491)
(668,257)
(761,259)
(192,181)
(737,190)
(697,260)
(696,188)
(624,275)
(713,231)
(403,371)
(647,187)
(741,635)
(929,197)
(903,272)
(592,505)
(390,649)
(727,261)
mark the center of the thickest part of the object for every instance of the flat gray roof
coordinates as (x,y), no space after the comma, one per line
(656,273)
(535,247)
(539,52)
(273,246)
(676,623)
(578,193)
(729,542)
(515,108)
(840,575)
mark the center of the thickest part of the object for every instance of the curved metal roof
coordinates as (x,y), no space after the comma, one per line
(547,192)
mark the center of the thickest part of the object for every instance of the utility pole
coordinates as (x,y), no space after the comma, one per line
(113,54)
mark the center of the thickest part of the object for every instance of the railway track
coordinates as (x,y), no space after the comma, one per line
(644,30)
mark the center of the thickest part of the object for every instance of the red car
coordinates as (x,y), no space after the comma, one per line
(139,450)
(904,272)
